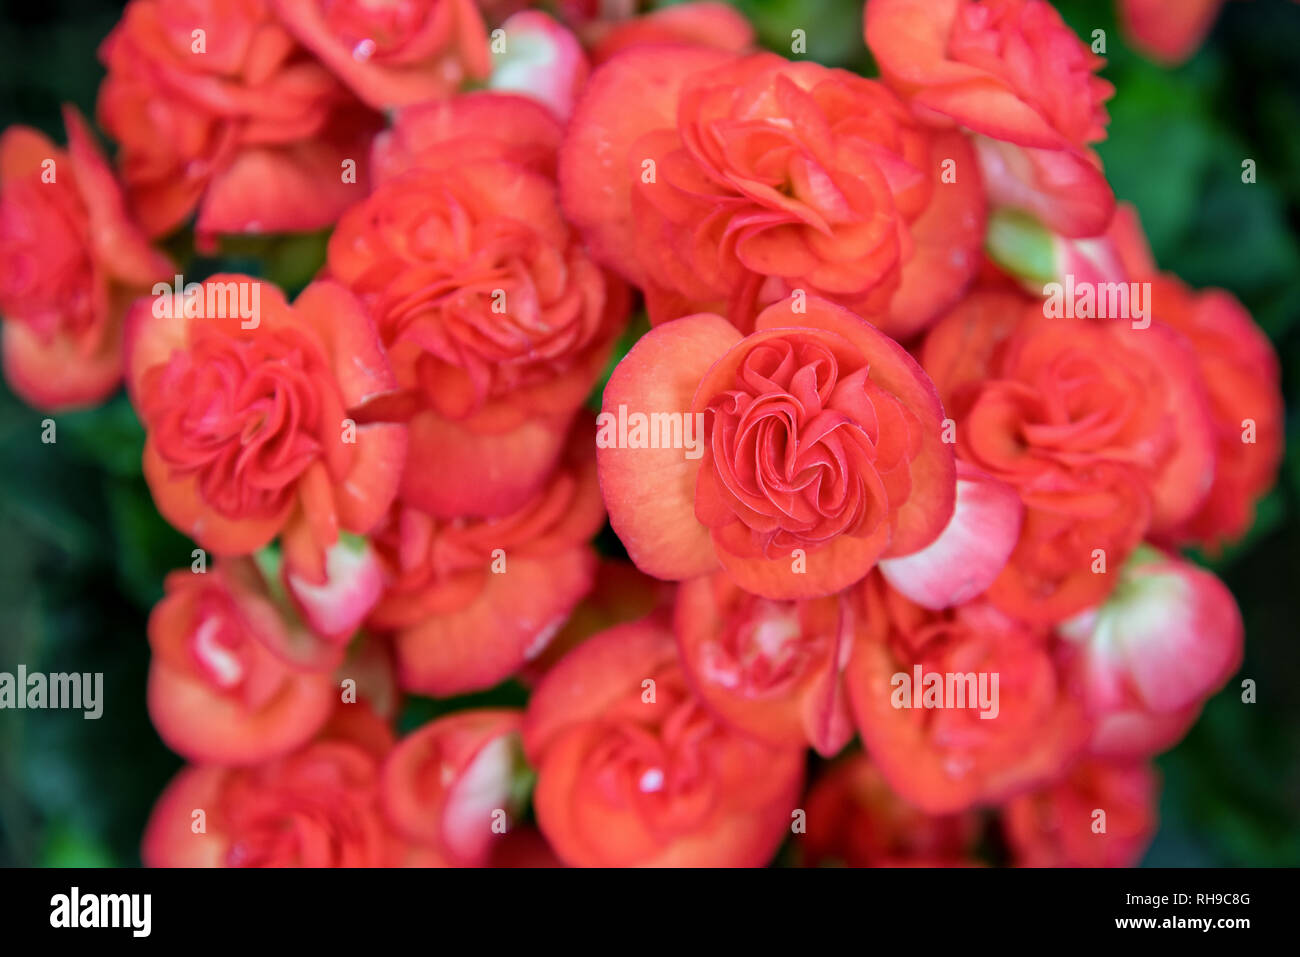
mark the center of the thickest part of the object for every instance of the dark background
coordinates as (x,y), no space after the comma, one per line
(83,552)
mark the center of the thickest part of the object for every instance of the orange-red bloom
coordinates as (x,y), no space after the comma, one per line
(703,23)
(1013,73)
(472,128)
(215,106)
(1058,826)
(720,182)
(393,54)
(495,320)
(73,261)
(805,451)
(470,601)
(1104,430)
(316,807)
(632,770)
(1168,30)
(856,820)
(246,402)
(451,785)
(219,690)
(773,669)
(1242,378)
(1166,639)
(959,708)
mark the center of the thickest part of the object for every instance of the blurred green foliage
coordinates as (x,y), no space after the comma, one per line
(83,551)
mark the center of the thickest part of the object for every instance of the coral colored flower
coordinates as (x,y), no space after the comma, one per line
(215,106)
(495,320)
(703,23)
(1014,74)
(1243,379)
(1059,826)
(1168,30)
(959,708)
(73,261)
(452,784)
(393,54)
(316,807)
(472,128)
(1103,429)
(471,600)
(855,820)
(773,669)
(719,182)
(1167,638)
(812,449)
(632,770)
(218,691)
(249,433)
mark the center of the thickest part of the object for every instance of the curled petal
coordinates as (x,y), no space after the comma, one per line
(970,552)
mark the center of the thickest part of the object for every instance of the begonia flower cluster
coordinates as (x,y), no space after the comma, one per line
(689,391)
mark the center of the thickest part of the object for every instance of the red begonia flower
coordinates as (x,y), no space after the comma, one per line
(1243,380)
(1242,377)
(451,784)
(1013,73)
(249,432)
(218,691)
(496,322)
(215,106)
(632,770)
(855,820)
(773,669)
(470,601)
(473,127)
(813,449)
(1166,639)
(1059,825)
(1102,428)
(703,23)
(316,807)
(1168,30)
(393,54)
(73,262)
(992,739)
(719,182)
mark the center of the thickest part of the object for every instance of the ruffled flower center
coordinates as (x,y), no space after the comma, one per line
(662,765)
(800,446)
(245,418)
(315,810)
(1027,45)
